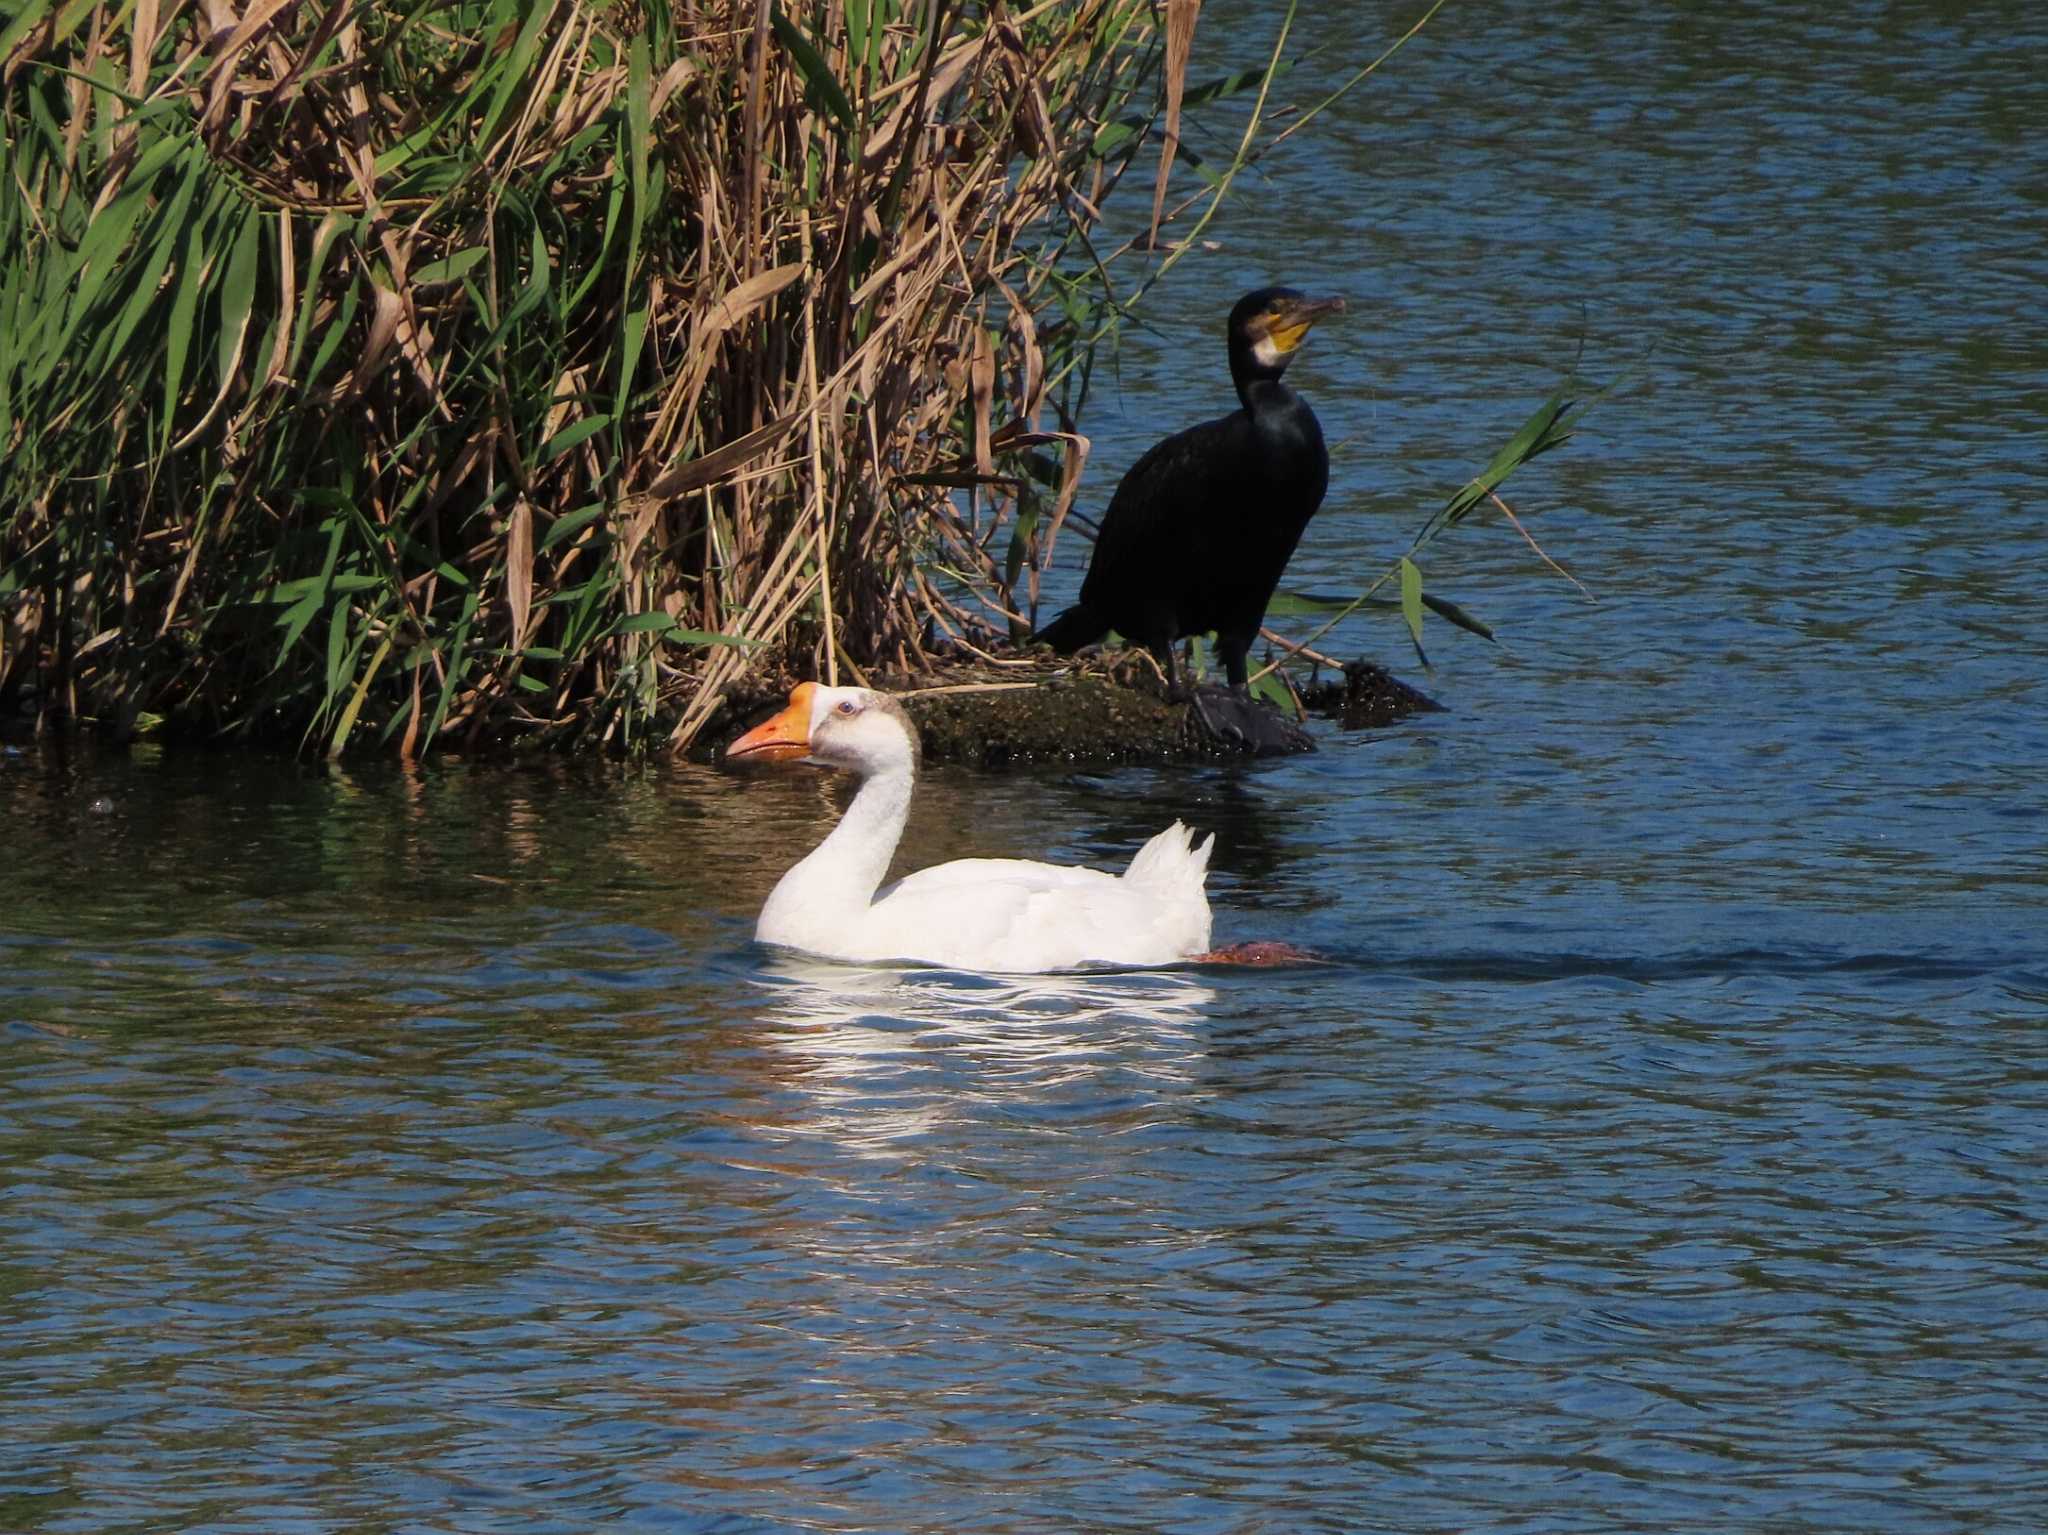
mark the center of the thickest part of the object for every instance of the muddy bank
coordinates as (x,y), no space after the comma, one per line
(1090,716)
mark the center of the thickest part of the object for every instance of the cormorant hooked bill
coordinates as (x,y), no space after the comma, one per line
(1202,526)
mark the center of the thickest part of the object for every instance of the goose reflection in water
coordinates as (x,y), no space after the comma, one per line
(899,1051)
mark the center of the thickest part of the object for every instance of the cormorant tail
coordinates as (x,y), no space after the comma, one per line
(1074,628)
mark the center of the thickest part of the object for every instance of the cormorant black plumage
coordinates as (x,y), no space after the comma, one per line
(1202,526)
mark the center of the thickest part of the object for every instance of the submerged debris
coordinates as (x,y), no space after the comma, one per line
(1366,696)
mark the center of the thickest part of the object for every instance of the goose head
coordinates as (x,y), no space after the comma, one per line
(853,728)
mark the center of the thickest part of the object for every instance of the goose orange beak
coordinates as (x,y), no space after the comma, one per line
(782,739)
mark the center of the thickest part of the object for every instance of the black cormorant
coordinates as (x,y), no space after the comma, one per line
(1201,526)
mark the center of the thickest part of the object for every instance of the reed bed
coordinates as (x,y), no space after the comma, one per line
(481,372)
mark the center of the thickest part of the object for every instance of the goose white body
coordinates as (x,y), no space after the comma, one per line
(1000,915)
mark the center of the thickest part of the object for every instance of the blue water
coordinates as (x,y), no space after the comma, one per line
(1662,1147)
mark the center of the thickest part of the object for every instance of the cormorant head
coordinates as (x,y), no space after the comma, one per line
(1266,327)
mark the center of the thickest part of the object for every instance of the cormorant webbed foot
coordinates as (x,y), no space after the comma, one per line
(1241,722)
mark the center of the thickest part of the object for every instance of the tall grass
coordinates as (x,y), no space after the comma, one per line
(474,371)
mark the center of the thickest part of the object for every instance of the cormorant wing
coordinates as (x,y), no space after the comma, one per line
(1174,478)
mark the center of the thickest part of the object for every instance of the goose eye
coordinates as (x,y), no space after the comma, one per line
(847,707)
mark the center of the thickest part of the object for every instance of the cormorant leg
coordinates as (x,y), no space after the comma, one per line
(1180,690)
(1176,679)
(1233,653)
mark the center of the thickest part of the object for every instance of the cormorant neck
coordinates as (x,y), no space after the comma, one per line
(1264,392)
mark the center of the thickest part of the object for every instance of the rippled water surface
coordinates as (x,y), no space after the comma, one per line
(1662,1147)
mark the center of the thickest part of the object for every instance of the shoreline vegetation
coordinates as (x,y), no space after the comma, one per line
(483,376)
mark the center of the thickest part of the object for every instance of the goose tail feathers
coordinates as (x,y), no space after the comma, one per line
(1171,860)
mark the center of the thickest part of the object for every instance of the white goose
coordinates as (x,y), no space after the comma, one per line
(1006,915)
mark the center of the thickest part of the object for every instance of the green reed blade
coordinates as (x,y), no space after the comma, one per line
(238,294)
(817,74)
(1411,604)
(178,336)
(1451,612)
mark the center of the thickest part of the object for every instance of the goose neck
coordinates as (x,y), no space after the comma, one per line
(856,855)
